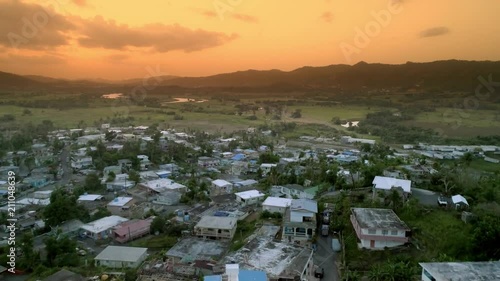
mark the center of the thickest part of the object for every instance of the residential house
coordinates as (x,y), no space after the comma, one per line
(101,228)
(249,197)
(238,168)
(295,191)
(350,140)
(84,140)
(245,184)
(37,181)
(458,271)
(206,162)
(276,204)
(120,206)
(168,198)
(266,168)
(459,201)
(233,273)
(213,227)
(299,225)
(115,169)
(121,182)
(222,186)
(42,194)
(81,162)
(386,184)
(69,228)
(121,257)
(161,185)
(379,228)
(131,230)
(65,275)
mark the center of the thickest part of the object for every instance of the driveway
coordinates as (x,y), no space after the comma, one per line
(325,257)
(425,197)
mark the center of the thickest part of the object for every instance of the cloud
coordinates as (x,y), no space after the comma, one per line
(81,3)
(32,26)
(245,18)
(33,60)
(327,16)
(99,33)
(116,58)
(435,31)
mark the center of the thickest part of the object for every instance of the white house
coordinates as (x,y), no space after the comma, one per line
(300,221)
(161,185)
(222,185)
(276,204)
(266,168)
(208,162)
(459,201)
(295,191)
(378,228)
(451,271)
(101,228)
(387,184)
(121,257)
(216,227)
(249,197)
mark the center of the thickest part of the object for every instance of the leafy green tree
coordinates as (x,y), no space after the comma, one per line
(61,251)
(485,237)
(62,207)
(134,176)
(30,257)
(93,183)
(111,177)
(158,224)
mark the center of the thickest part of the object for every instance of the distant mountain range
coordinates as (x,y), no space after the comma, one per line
(451,75)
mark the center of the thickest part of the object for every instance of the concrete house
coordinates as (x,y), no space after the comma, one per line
(387,184)
(120,206)
(131,230)
(162,185)
(233,273)
(121,257)
(213,227)
(222,185)
(379,228)
(249,197)
(455,271)
(276,204)
(206,162)
(295,191)
(101,228)
(300,221)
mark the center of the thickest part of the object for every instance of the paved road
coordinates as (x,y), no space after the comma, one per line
(425,197)
(325,257)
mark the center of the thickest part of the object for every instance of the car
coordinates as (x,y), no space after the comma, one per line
(319,273)
(442,201)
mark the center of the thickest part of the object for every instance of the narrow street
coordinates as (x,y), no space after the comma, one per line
(325,257)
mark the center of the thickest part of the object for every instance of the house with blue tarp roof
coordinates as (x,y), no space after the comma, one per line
(238,157)
(233,273)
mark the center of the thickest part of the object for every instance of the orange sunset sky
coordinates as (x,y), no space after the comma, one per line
(118,39)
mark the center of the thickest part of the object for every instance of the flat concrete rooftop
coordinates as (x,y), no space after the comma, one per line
(378,219)
(464,271)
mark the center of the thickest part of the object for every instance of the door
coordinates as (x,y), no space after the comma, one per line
(372,243)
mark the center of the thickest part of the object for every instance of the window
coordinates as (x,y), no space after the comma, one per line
(428,275)
(372,231)
(385,232)
(394,232)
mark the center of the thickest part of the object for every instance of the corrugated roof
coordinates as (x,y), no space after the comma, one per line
(120,253)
